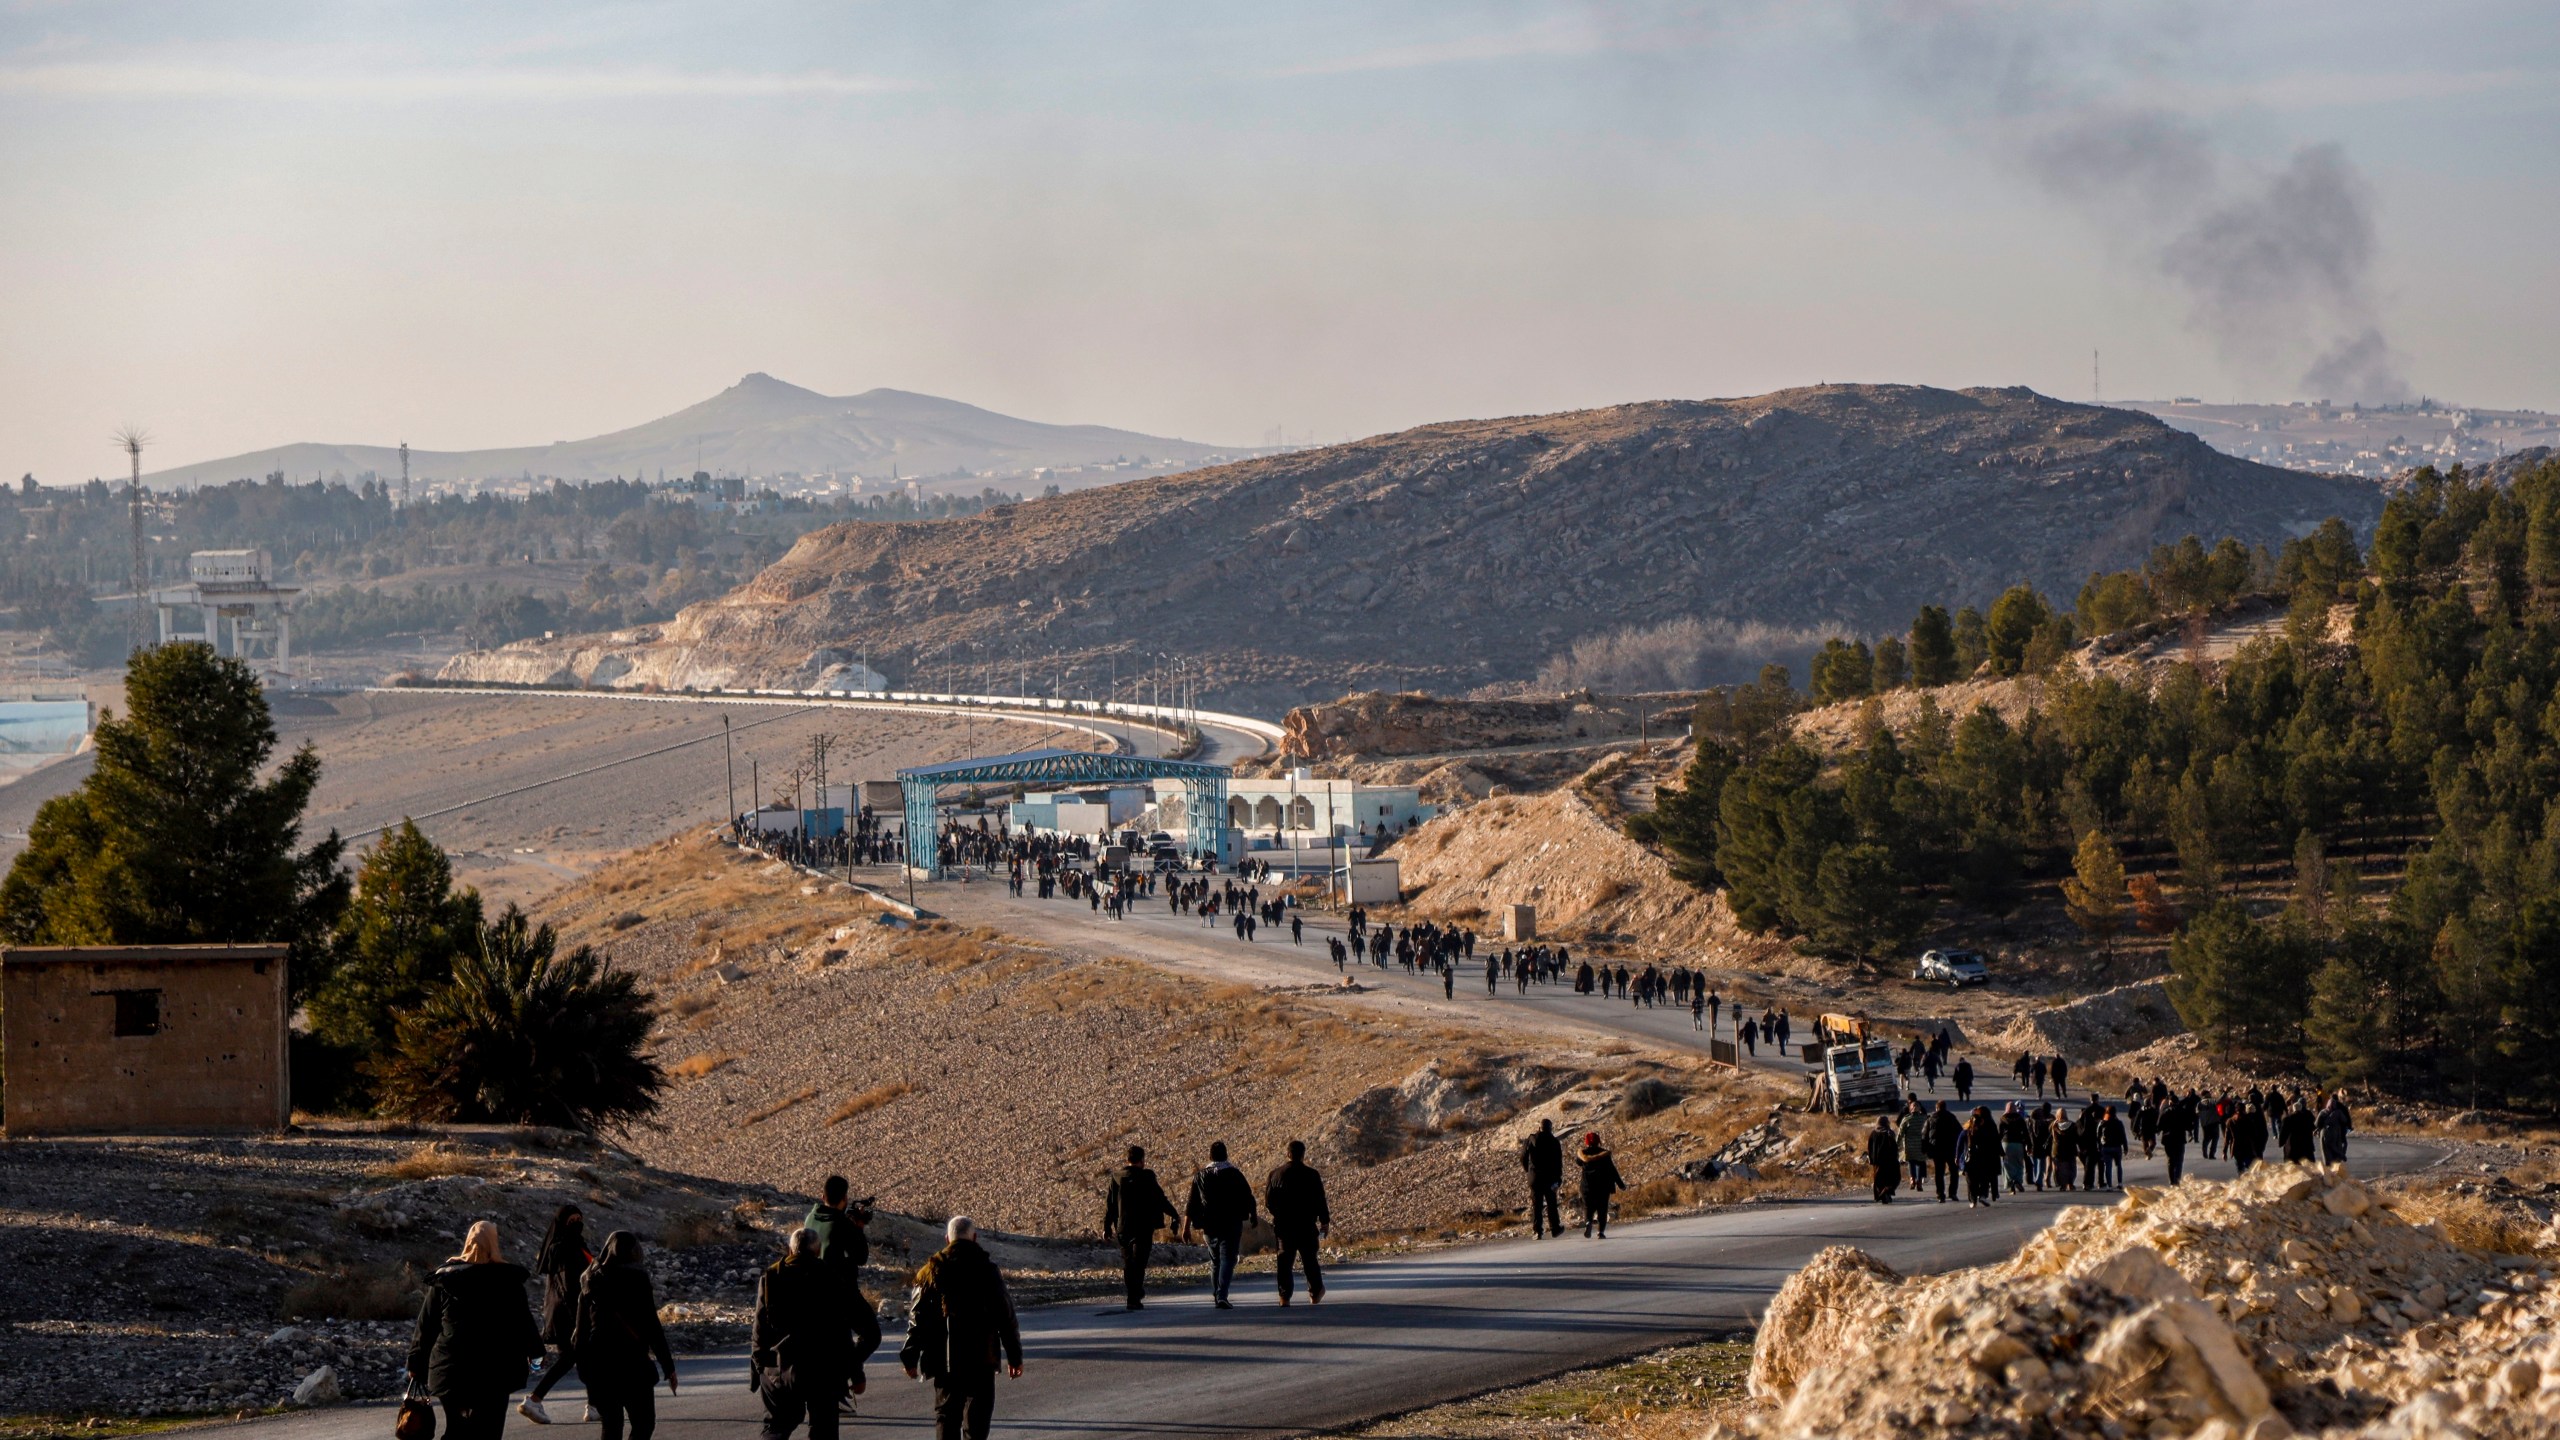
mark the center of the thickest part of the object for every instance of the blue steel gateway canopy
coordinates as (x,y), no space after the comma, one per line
(1204,785)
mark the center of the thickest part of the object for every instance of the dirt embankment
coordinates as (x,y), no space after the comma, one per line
(168,1276)
(1588,880)
(950,1070)
(2284,1302)
(1378,725)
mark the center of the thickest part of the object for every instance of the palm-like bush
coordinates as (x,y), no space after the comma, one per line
(521,1035)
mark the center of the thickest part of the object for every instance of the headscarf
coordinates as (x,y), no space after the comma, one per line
(620,1248)
(564,1245)
(480,1244)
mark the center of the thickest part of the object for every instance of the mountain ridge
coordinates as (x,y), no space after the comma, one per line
(759,426)
(1466,553)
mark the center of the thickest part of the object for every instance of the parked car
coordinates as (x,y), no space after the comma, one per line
(1953,967)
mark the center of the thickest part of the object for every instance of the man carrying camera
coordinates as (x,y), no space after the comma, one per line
(844,1247)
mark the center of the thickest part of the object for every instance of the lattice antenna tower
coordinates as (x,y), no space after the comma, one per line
(131,439)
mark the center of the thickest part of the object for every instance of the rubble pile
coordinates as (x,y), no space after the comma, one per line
(2290,1301)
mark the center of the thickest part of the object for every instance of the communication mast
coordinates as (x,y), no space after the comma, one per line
(404,474)
(130,439)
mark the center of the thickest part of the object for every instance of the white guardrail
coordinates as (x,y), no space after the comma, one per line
(1067,713)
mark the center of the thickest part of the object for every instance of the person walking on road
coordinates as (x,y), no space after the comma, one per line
(1913,1132)
(1219,1207)
(1982,1158)
(1293,1196)
(1542,1156)
(844,1243)
(800,1343)
(1698,1007)
(622,1349)
(1964,1082)
(2246,1138)
(1599,1183)
(2061,1078)
(1133,1210)
(475,1339)
(960,1326)
(2111,1150)
(1946,1134)
(562,1263)
(2177,1121)
(1884,1156)
(2013,1145)
(2299,1131)
(2334,1125)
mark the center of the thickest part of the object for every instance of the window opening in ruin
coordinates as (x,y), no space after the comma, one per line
(137,1012)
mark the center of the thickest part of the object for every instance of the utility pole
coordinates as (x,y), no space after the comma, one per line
(404,474)
(2095,390)
(130,439)
(729,752)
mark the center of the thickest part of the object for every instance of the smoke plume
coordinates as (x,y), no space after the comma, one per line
(2273,261)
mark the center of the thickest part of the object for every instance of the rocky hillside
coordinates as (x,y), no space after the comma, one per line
(1460,554)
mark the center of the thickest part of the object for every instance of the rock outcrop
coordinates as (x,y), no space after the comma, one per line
(1461,554)
(2290,1300)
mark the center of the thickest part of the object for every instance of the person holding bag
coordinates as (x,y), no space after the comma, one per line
(475,1340)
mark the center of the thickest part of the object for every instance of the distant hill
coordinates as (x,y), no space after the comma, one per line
(763,427)
(1465,553)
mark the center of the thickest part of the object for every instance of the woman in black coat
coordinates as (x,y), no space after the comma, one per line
(562,1263)
(621,1347)
(1982,1148)
(1599,1182)
(475,1339)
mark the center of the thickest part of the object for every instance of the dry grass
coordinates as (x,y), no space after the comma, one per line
(2471,1221)
(869,1100)
(685,1007)
(430,1161)
(695,1228)
(354,1293)
(758,1117)
(694,1067)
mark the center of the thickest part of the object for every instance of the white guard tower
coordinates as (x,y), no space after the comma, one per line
(236,600)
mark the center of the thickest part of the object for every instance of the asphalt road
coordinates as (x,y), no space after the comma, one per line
(1392,1335)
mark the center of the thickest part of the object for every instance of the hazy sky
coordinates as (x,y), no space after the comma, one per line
(470,224)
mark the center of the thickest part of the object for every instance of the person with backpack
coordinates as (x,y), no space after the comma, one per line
(1542,1156)
(960,1327)
(1600,1183)
(562,1263)
(1219,1207)
(475,1340)
(801,1341)
(844,1244)
(622,1349)
(1293,1196)
(1133,1209)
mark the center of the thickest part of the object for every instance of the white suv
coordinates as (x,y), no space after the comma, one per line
(1953,967)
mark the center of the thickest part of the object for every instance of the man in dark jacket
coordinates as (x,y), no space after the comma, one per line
(1542,1155)
(1294,1198)
(959,1326)
(1220,1206)
(1945,1131)
(475,1340)
(2246,1137)
(800,1348)
(1884,1156)
(1600,1183)
(844,1243)
(2300,1131)
(1132,1211)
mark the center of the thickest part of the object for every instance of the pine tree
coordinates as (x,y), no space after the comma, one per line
(174,837)
(397,942)
(1933,647)
(2095,893)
